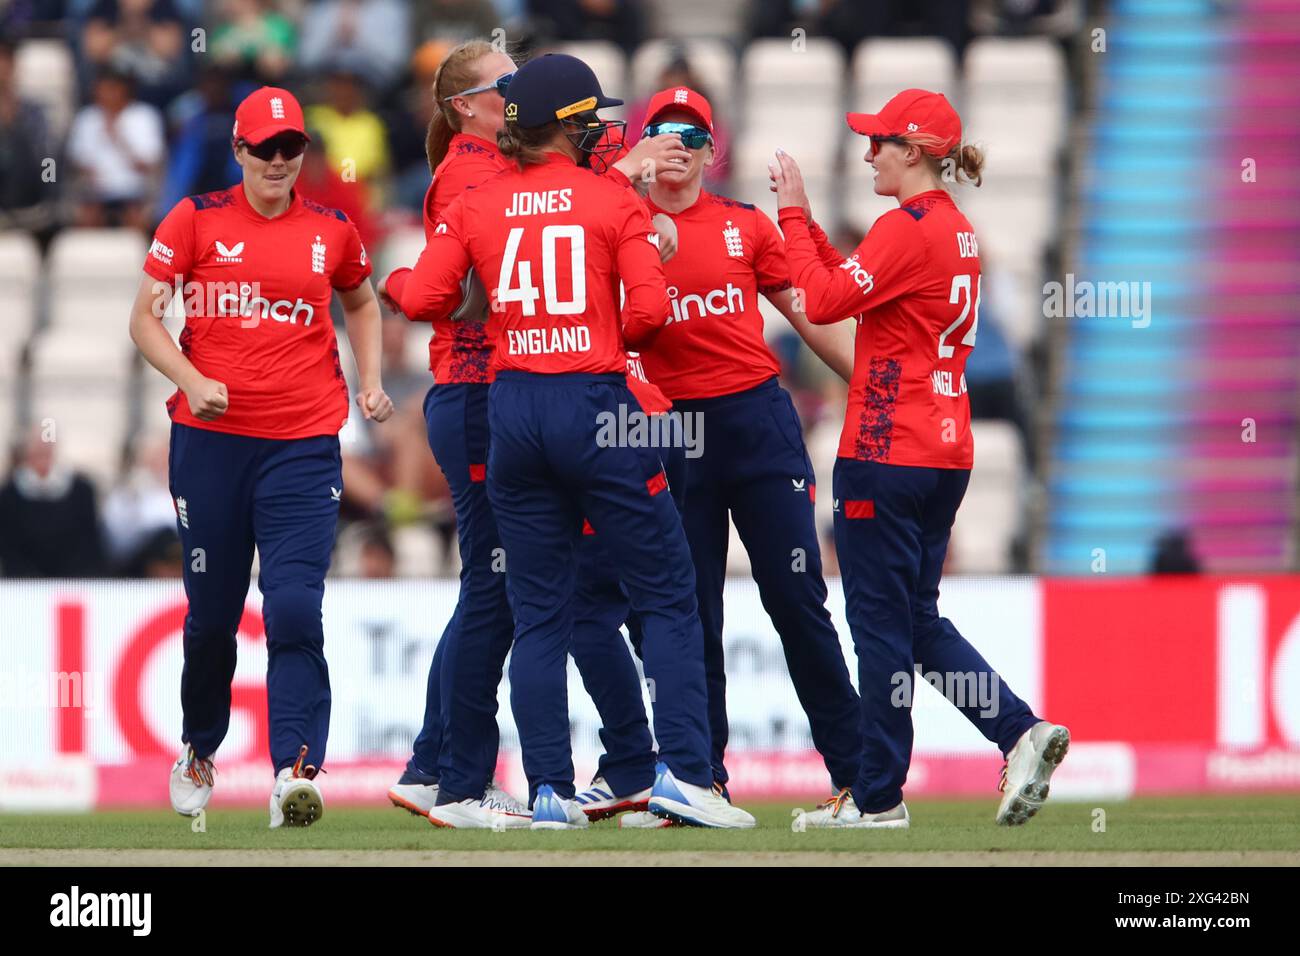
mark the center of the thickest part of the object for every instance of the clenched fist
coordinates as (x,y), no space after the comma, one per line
(208,399)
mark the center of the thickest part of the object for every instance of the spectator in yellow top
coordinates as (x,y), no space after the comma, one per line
(356,142)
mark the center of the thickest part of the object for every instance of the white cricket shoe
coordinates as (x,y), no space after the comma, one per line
(841,811)
(296,801)
(599,800)
(495,810)
(552,812)
(190,785)
(693,806)
(643,820)
(417,798)
(1028,770)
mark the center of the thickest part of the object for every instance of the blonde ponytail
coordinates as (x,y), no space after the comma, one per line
(456,72)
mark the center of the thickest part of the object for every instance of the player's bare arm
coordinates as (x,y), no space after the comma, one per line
(830,343)
(361,315)
(207,397)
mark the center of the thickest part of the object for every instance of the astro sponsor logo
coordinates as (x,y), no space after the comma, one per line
(100,910)
(728,301)
(865,280)
(162,252)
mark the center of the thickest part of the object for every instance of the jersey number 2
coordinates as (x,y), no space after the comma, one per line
(961,293)
(525,293)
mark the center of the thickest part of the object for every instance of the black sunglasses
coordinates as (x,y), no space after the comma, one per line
(693,137)
(499,84)
(288,145)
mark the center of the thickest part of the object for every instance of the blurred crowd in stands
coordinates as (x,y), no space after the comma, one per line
(157,82)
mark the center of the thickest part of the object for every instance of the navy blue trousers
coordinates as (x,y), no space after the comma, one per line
(892,524)
(234,493)
(756,468)
(459,739)
(547,470)
(608,671)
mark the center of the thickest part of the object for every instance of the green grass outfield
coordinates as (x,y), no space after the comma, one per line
(1186,830)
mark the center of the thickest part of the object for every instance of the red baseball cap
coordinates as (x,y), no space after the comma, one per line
(911,112)
(680,98)
(265,112)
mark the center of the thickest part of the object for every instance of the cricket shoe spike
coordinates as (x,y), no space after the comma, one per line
(599,800)
(553,812)
(1027,774)
(191,782)
(643,820)
(841,811)
(693,806)
(414,792)
(296,801)
(495,810)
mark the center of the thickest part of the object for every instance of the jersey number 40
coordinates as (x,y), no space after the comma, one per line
(525,293)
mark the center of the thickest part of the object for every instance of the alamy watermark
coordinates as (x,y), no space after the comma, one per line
(1083,298)
(961,688)
(630,427)
(83,690)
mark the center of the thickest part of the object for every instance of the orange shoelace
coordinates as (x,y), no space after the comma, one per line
(200,770)
(836,802)
(300,769)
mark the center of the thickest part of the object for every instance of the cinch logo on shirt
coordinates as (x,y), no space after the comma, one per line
(573,338)
(162,253)
(865,280)
(728,301)
(281,310)
(231,254)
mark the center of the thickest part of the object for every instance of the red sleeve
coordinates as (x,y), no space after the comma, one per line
(468,170)
(432,289)
(825,249)
(770,268)
(430,213)
(172,252)
(887,263)
(645,306)
(617,177)
(354,268)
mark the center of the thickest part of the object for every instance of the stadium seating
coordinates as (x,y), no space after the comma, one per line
(684,19)
(44,73)
(793,100)
(714,61)
(1150,424)
(991,514)
(20,267)
(609,65)
(882,67)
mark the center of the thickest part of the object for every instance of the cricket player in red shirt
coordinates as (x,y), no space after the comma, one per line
(906,452)
(553,243)
(254,445)
(712,361)
(448,777)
